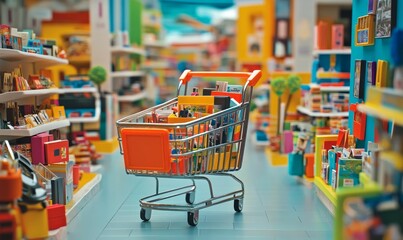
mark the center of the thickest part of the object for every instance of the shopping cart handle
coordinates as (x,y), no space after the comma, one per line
(251,78)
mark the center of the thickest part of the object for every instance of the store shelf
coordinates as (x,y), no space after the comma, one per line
(95,118)
(13,96)
(79,60)
(83,195)
(77,90)
(84,119)
(128,50)
(12,55)
(345,51)
(124,74)
(156,64)
(382,112)
(156,44)
(335,89)
(308,112)
(16,95)
(367,188)
(333,75)
(133,97)
(331,88)
(35,130)
(326,190)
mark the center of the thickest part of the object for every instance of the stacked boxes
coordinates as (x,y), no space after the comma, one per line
(325,102)
(56,216)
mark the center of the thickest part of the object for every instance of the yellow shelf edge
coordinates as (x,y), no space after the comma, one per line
(326,190)
(393,157)
(382,112)
(106,146)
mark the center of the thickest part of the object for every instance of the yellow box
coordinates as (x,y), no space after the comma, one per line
(382,69)
(365,27)
(206,102)
(218,163)
(35,221)
(58,112)
(174,119)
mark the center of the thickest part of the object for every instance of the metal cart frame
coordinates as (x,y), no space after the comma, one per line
(210,145)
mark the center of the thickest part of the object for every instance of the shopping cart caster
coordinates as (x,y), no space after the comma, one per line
(190,197)
(145,214)
(238,205)
(193,218)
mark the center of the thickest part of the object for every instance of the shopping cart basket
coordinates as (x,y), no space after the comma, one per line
(188,148)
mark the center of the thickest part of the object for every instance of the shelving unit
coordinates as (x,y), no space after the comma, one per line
(17,56)
(325,192)
(368,187)
(374,108)
(156,44)
(335,89)
(37,60)
(97,114)
(127,50)
(346,51)
(16,95)
(133,97)
(16,133)
(333,75)
(156,65)
(308,112)
(126,74)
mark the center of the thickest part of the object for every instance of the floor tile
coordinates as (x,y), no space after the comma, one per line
(276,206)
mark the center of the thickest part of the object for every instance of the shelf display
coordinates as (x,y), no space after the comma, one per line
(31,121)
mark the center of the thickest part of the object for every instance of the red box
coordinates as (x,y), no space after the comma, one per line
(38,147)
(359,122)
(327,145)
(76,175)
(56,216)
(57,151)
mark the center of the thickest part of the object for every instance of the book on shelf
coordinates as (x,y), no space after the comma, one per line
(348,172)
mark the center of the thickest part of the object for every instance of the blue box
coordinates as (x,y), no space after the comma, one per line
(296,164)
(332,157)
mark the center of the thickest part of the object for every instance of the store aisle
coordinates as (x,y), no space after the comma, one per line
(276,206)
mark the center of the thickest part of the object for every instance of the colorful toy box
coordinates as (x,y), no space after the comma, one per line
(38,148)
(56,216)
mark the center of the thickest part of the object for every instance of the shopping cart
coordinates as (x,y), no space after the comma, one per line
(209,145)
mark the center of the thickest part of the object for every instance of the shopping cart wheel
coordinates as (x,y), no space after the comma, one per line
(145,214)
(238,205)
(193,218)
(190,197)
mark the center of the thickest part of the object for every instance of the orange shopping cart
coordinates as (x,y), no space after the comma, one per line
(157,143)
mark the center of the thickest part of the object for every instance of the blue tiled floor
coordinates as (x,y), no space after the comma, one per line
(276,206)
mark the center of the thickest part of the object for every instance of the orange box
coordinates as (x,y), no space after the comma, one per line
(309,164)
(146,149)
